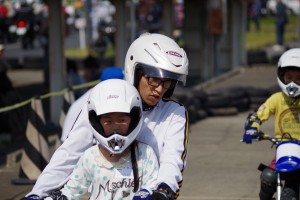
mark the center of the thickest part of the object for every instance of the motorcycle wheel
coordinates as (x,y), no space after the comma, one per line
(289,194)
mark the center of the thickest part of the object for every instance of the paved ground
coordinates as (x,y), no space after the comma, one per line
(219,165)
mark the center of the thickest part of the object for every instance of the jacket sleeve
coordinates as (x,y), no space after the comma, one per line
(268,108)
(174,154)
(65,157)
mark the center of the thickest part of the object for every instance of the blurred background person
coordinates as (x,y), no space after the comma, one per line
(74,78)
(3,22)
(253,14)
(102,43)
(13,122)
(149,15)
(91,69)
(281,21)
(101,15)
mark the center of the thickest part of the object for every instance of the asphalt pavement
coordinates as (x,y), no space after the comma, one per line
(219,166)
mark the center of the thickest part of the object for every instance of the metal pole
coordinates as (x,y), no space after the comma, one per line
(132,20)
(56,57)
(88,6)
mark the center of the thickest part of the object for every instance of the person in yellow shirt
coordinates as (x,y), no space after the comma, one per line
(285,107)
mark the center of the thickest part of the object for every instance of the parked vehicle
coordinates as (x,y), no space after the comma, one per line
(21,30)
(25,25)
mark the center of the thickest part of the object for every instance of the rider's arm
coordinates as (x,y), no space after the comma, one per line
(71,116)
(174,153)
(267,109)
(65,157)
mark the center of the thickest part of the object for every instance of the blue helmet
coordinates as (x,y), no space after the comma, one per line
(112,73)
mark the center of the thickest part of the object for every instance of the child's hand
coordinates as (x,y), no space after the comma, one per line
(142,195)
(250,134)
(32,197)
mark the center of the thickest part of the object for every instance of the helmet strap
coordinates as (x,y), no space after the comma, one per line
(134,166)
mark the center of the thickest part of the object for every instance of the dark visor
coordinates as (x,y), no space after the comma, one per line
(161,73)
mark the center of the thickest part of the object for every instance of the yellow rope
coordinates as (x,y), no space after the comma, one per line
(52,94)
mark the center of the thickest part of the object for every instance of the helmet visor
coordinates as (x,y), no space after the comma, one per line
(161,73)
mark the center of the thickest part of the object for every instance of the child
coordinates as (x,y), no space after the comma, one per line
(285,106)
(119,166)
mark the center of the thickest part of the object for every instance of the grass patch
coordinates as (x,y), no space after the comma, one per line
(82,53)
(76,53)
(267,35)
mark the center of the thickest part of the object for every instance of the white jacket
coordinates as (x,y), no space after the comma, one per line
(165,129)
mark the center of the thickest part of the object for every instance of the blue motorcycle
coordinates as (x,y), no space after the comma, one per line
(287,166)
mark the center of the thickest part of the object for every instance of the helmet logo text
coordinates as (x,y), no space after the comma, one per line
(173,53)
(112,96)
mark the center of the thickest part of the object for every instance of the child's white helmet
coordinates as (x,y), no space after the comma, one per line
(115,95)
(288,59)
(156,55)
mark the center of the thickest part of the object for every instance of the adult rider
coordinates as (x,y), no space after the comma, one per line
(154,64)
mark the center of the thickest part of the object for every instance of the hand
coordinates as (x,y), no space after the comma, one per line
(250,134)
(252,119)
(142,195)
(163,192)
(32,197)
(56,195)
(159,195)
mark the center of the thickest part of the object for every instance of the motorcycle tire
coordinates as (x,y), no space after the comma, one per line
(289,194)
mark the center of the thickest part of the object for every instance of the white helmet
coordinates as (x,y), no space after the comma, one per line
(290,58)
(158,56)
(115,95)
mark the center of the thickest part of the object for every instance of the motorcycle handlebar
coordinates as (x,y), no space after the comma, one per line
(264,136)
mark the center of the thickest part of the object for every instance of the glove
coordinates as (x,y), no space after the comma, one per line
(251,120)
(56,195)
(32,197)
(142,195)
(159,195)
(164,192)
(250,134)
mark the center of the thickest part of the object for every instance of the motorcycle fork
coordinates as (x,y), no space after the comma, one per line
(298,190)
(279,188)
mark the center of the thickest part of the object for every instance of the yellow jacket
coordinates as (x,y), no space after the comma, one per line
(286,111)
